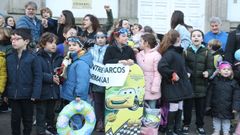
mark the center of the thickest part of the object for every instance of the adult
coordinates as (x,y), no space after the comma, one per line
(233,44)
(66,19)
(216,33)
(91,24)
(30,21)
(10,22)
(177,23)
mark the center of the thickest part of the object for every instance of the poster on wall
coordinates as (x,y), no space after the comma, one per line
(81,4)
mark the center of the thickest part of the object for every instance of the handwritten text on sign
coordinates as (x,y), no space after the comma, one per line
(109,74)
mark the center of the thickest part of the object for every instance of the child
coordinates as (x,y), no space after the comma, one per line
(5,49)
(50,87)
(76,86)
(49,24)
(175,83)
(10,22)
(148,60)
(214,46)
(68,31)
(98,51)
(200,62)
(24,81)
(225,93)
(236,69)
(119,51)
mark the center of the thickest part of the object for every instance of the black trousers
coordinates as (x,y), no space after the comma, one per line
(199,108)
(45,114)
(22,111)
(99,105)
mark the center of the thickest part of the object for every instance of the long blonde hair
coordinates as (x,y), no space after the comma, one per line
(169,39)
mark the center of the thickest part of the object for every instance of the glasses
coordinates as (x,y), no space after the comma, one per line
(75,40)
(15,39)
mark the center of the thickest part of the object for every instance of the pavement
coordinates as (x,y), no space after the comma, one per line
(5,126)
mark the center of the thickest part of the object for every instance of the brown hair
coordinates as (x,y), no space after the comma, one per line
(47,37)
(46,9)
(150,38)
(169,39)
(6,32)
(214,44)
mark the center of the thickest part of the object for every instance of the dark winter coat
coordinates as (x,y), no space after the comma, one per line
(199,62)
(173,61)
(233,44)
(50,90)
(24,76)
(225,97)
(113,54)
(52,26)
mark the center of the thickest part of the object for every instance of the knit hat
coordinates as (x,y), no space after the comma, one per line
(25,33)
(237,55)
(224,64)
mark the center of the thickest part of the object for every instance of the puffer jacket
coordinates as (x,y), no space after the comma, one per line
(198,62)
(50,90)
(78,78)
(149,64)
(3,72)
(24,76)
(224,97)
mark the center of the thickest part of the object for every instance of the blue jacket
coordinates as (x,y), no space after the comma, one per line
(50,90)
(27,22)
(78,78)
(222,37)
(24,76)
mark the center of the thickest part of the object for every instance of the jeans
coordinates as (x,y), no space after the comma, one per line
(152,103)
(225,123)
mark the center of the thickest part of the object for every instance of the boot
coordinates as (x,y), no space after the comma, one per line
(170,123)
(178,123)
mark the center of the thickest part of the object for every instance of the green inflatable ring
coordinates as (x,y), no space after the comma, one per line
(71,109)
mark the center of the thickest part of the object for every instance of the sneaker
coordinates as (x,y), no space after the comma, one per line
(51,131)
(5,109)
(185,130)
(201,131)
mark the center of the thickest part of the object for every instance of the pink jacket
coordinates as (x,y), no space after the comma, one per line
(149,63)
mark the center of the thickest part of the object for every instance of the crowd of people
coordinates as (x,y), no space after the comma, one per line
(45,64)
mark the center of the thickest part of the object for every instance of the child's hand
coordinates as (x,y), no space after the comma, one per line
(124,62)
(33,99)
(175,77)
(56,79)
(44,23)
(234,111)
(130,62)
(107,7)
(5,99)
(205,74)
(77,99)
(189,75)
